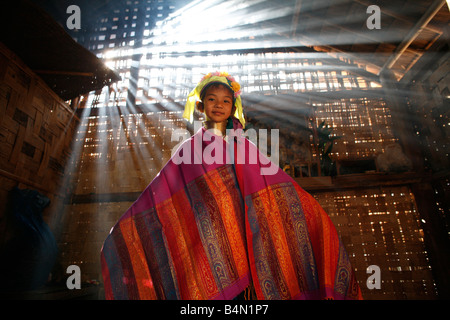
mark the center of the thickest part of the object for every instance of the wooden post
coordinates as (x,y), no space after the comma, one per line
(436,239)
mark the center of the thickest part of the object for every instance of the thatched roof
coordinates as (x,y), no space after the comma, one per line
(67,67)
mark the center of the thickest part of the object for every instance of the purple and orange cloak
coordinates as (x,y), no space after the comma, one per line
(210,230)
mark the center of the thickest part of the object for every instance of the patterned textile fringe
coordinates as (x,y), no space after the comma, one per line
(249,293)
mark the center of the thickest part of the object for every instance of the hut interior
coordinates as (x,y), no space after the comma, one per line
(358,95)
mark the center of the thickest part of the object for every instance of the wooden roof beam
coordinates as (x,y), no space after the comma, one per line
(297,9)
(413,33)
(65,73)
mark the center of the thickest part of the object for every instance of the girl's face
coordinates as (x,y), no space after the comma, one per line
(218,104)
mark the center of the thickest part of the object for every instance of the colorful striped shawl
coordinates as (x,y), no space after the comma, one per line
(206,231)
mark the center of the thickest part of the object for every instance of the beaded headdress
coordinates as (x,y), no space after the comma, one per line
(217,77)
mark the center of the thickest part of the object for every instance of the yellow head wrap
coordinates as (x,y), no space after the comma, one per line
(221,77)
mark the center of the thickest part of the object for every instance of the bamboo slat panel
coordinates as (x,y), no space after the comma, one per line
(381,226)
(36,131)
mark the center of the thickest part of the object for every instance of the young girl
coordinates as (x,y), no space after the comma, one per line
(219,229)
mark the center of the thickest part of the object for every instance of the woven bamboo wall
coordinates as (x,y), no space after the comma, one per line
(88,225)
(118,155)
(364,125)
(381,226)
(36,131)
